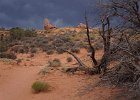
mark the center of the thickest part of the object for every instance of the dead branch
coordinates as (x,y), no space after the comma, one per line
(92,48)
(77,59)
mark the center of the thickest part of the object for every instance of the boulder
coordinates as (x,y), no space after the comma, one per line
(47,24)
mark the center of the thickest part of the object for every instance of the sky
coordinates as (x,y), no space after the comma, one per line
(31,13)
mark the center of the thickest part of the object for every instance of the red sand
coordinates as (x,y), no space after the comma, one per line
(16,80)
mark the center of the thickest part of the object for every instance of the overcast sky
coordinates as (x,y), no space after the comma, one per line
(30,13)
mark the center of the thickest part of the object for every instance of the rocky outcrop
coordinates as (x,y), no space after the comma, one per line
(81,25)
(47,25)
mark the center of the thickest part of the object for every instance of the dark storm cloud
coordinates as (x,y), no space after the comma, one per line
(30,13)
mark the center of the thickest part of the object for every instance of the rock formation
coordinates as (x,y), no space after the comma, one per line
(47,25)
(81,25)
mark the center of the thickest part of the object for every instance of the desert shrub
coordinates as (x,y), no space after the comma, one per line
(47,47)
(33,50)
(70,44)
(45,70)
(32,46)
(60,50)
(19,33)
(80,44)
(65,39)
(8,55)
(21,50)
(98,46)
(30,33)
(3,46)
(58,42)
(75,50)
(15,48)
(26,49)
(69,59)
(40,86)
(19,61)
(55,63)
(50,52)
(14,43)
(16,33)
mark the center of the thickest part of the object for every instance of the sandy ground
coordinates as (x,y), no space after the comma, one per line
(16,80)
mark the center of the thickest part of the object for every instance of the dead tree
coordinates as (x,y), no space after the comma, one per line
(91,47)
(81,64)
(105,33)
(127,10)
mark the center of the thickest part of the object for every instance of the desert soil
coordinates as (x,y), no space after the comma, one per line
(16,80)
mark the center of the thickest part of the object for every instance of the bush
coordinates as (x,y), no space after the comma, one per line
(33,50)
(50,52)
(8,55)
(60,50)
(30,33)
(55,63)
(69,59)
(47,47)
(39,86)
(3,47)
(45,70)
(19,61)
(75,50)
(20,49)
(18,33)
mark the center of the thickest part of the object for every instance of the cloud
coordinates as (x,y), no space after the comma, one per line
(60,12)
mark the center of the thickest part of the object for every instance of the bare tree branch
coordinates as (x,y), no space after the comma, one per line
(77,59)
(92,48)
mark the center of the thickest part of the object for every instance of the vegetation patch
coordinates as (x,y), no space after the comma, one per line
(75,50)
(45,70)
(55,63)
(69,59)
(40,86)
(8,55)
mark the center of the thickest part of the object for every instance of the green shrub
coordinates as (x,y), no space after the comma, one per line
(39,86)
(69,59)
(3,47)
(30,33)
(75,50)
(18,33)
(3,43)
(8,55)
